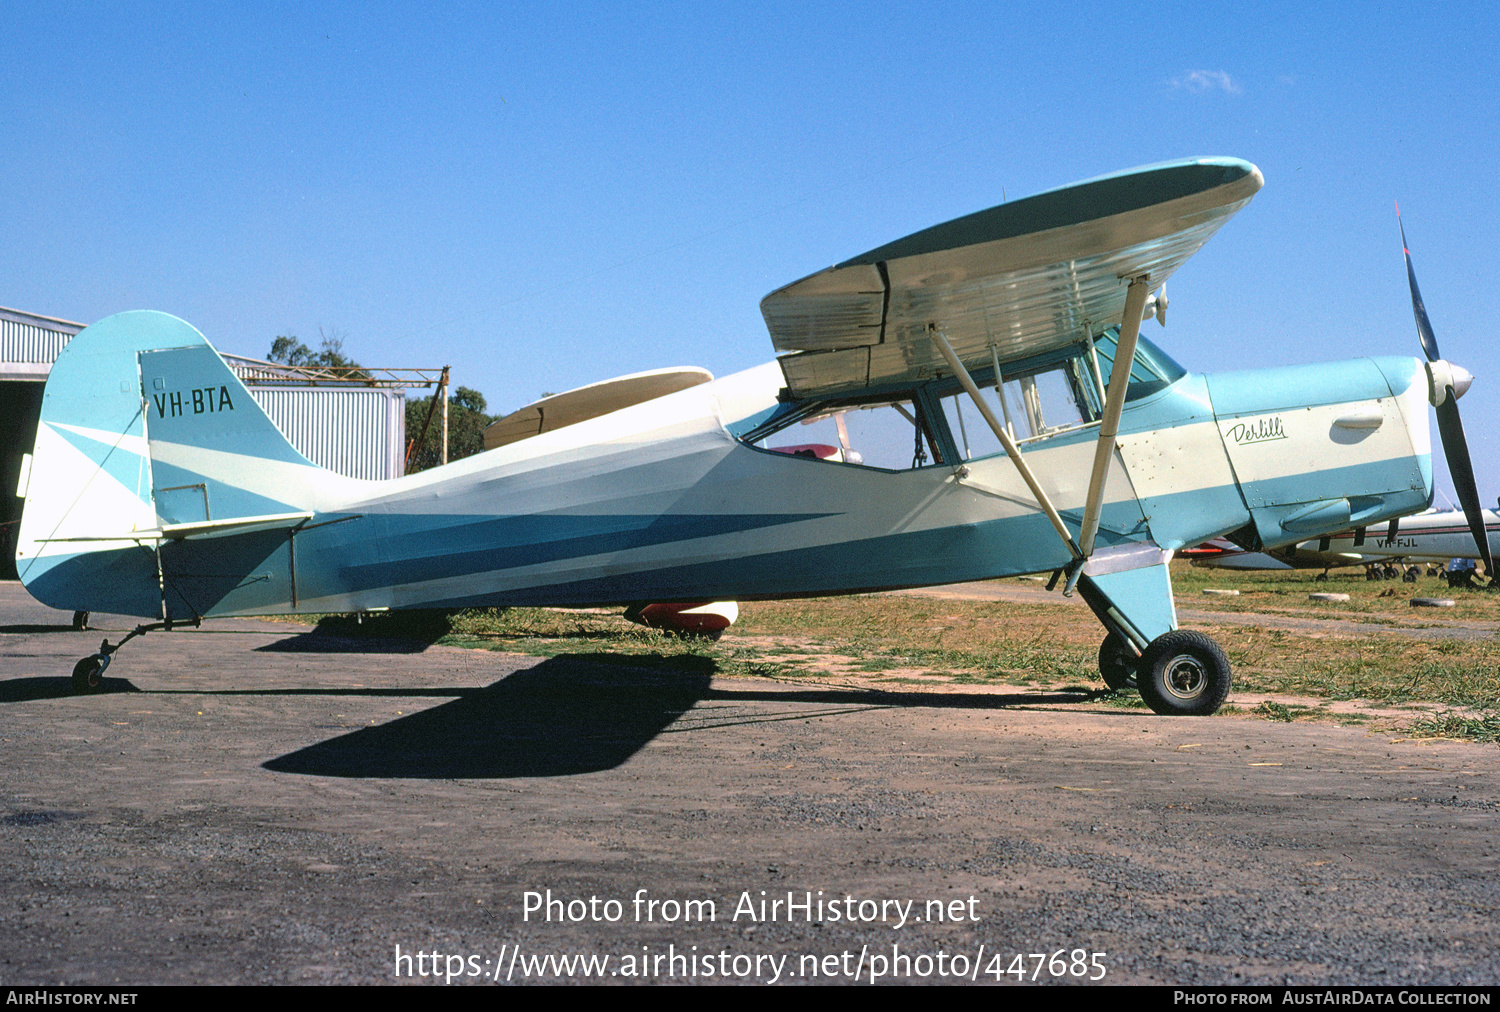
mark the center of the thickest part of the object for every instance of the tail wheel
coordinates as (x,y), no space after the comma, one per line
(1184,673)
(1117,663)
(88,675)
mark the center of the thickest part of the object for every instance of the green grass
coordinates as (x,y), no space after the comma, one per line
(1274,711)
(1452,725)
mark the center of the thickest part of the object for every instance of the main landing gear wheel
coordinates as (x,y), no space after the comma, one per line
(88,675)
(1117,664)
(1184,673)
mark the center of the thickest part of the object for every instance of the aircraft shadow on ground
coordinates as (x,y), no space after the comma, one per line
(395,633)
(317,642)
(567,715)
(23,690)
(576,714)
(385,633)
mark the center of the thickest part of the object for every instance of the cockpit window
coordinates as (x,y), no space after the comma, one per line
(1152,370)
(1060,391)
(1031,405)
(890,434)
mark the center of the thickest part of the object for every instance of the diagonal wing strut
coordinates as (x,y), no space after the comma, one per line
(1114,402)
(946,350)
(1109,424)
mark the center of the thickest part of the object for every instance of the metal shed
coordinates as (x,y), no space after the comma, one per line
(357,432)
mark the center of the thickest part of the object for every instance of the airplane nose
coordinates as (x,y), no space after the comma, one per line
(1441,375)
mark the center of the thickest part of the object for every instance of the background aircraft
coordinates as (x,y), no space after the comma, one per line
(972,367)
(1431,537)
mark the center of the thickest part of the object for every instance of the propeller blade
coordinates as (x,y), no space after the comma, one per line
(1424,326)
(1456,449)
(1450,425)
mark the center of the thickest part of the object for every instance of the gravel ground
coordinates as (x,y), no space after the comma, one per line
(254,803)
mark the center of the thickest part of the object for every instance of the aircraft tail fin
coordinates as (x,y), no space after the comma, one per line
(143,426)
(215,454)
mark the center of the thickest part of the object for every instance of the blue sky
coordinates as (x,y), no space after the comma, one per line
(545,198)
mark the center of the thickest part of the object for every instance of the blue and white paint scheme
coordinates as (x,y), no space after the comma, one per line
(158,488)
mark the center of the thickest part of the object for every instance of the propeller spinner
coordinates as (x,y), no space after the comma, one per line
(1447,383)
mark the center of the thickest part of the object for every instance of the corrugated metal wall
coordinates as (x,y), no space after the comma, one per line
(25,337)
(26,342)
(359,433)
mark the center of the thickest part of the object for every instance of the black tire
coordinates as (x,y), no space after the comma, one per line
(1321,578)
(1117,663)
(88,675)
(80,620)
(1184,673)
(1410,576)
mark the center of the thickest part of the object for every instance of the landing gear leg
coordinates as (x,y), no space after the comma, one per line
(1178,671)
(88,674)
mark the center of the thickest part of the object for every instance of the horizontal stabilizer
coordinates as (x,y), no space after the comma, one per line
(201,529)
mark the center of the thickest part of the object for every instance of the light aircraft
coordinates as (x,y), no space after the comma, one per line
(1430,537)
(967,375)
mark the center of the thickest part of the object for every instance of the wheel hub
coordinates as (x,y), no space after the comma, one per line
(1186,677)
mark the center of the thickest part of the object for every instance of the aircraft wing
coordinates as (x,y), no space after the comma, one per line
(1022,278)
(556,411)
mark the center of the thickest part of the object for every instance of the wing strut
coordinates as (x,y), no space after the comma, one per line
(941,343)
(1114,402)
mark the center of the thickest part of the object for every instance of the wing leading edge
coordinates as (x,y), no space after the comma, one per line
(1022,278)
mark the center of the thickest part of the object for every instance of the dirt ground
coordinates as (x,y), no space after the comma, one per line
(257,802)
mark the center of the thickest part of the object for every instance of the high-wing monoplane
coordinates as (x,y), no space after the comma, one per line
(972,401)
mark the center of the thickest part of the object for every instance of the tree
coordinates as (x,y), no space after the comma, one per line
(466,424)
(466,418)
(287,350)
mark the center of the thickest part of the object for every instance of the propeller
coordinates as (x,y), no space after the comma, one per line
(1446,384)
